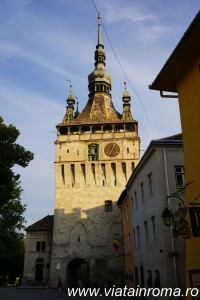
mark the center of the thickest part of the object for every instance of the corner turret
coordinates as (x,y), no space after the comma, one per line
(126,116)
(69,116)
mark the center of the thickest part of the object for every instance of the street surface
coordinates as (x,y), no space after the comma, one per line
(13,293)
(22,293)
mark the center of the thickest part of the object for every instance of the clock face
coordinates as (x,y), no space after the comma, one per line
(112,149)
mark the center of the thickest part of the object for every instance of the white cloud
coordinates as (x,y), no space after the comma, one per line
(115,12)
(44,43)
(25,100)
(153,32)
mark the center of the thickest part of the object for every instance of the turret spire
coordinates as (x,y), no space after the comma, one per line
(69,116)
(126,116)
(77,111)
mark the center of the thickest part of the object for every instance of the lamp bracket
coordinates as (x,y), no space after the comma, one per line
(178,195)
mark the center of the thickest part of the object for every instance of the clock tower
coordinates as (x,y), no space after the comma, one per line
(96,152)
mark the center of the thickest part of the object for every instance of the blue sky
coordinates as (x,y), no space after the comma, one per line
(44,43)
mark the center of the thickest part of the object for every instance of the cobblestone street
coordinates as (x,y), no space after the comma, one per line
(21,293)
(13,293)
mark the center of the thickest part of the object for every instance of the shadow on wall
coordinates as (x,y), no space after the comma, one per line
(82,251)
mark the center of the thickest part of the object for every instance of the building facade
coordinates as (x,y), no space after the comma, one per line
(157,259)
(37,259)
(180,75)
(125,206)
(96,152)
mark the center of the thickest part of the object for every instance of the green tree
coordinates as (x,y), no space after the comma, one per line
(11,208)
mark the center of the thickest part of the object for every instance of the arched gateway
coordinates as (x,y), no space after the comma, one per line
(78,273)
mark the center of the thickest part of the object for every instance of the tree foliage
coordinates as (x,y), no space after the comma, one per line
(11,208)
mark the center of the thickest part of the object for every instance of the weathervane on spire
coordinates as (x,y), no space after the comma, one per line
(70,84)
(99,30)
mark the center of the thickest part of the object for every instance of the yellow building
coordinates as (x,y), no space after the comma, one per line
(181,75)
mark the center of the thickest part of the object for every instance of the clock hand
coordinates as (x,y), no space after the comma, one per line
(111,149)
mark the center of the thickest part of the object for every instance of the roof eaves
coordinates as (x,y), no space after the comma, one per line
(44,224)
(150,149)
(122,197)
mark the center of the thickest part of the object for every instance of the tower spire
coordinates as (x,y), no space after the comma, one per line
(99,106)
(99,79)
(100,55)
(99,31)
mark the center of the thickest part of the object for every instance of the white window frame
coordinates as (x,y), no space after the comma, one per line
(181,174)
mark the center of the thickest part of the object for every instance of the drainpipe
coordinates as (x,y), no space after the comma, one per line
(169,204)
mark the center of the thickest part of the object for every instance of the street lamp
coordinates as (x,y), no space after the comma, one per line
(176,220)
(167,216)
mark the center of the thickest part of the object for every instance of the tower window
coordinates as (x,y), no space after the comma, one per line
(73,174)
(63,173)
(93,152)
(103,169)
(83,171)
(93,172)
(108,206)
(124,169)
(113,167)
